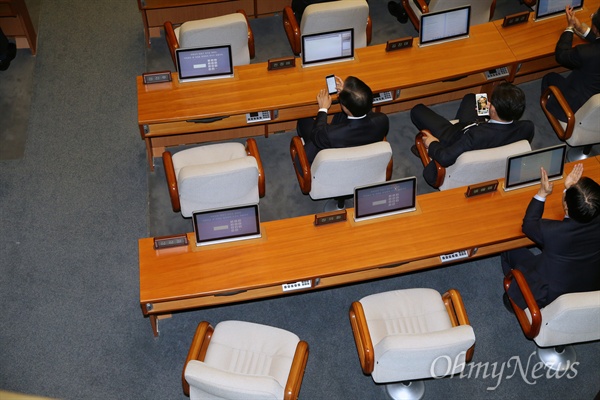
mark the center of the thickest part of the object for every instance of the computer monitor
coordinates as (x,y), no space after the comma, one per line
(222,225)
(524,169)
(201,63)
(443,26)
(327,47)
(386,198)
(551,8)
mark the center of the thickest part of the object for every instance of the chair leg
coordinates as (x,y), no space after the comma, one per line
(411,390)
(336,204)
(559,358)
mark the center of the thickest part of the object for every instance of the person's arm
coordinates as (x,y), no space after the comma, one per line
(447,155)
(318,135)
(532,222)
(564,52)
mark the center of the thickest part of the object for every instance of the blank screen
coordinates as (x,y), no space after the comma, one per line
(524,169)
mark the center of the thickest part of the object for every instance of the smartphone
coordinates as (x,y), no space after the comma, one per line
(483,107)
(331,85)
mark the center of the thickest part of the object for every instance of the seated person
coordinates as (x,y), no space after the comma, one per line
(448,141)
(570,256)
(356,125)
(298,6)
(584,60)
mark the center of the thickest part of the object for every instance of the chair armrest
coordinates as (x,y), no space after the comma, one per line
(411,14)
(303,175)
(292,29)
(390,166)
(171,180)
(252,150)
(530,329)
(362,337)
(369,29)
(425,159)
(492,9)
(563,134)
(172,42)
(294,382)
(250,34)
(458,314)
(197,350)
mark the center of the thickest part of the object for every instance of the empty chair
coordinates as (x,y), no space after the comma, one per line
(243,360)
(570,318)
(335,173)
(473,166)
(482,11)
(214,176)
(233,29)
(403,336)
(582,128)
(329,16)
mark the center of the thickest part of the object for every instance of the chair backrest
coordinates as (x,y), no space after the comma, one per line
(336,172)
(336,15)
(226,29)
(481,165)
(587,123)
(571,318)
(480,9)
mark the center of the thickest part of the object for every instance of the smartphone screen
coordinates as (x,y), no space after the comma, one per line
(331,86)
(483,108)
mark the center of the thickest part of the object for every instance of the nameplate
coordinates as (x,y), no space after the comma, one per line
(481,188)
(330,217)
(166,242)
(398,44)
(156,77)
(515,19)
(281,63)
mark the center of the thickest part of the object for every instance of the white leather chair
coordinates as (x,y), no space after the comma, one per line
(335,173)
(482,11)
(233,29)
(404,336)
(329,16)
(582,128)
(213,176)
(472,166)
(244,361)
(570,318)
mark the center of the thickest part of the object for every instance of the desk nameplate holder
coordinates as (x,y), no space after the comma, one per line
(156,77)
(399,44)
(515,19)
(274,64)
(330,217)
(481,188)
(167,242)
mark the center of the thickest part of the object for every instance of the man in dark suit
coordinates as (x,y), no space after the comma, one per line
(570,255)
(584,60)
(298,6)
(446,141)
(356,125)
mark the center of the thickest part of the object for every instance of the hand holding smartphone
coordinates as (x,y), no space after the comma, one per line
(331,84)
(483,106)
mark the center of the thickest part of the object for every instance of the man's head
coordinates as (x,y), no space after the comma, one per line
(508,101)
(582,200)
(356,97)
(596,22)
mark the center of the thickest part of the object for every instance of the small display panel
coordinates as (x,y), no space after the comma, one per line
(383,199)
(524,169)
(327,47)
(196,64)
(226,224)
(443,26)
(552,8)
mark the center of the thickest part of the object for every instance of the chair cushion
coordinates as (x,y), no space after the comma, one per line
(571,318)
(226,29)
(336,15)
(336,172)
(410,329)
(208,154)
(587,123)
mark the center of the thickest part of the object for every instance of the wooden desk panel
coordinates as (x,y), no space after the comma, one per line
(16,22)
(183,278)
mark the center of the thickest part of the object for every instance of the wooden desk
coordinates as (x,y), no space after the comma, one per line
(190,277)
(16,22)
(533,43)
(415,74)
(156,12)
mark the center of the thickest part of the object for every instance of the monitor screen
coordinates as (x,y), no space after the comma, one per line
(328,47)
(551,8)
(195,64)
(387,198)
(443,26)
(226,224)
(524,169)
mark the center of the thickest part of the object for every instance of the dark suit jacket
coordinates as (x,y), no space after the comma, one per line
(584,61)
(570,258)
(483,136)
(344,132)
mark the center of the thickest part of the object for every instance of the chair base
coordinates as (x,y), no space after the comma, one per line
(412,390)
(578,153)
(335,204)
(559,358)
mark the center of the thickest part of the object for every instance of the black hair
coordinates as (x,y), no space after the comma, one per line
(509,101)
(356,96)
(583,200)
(596,19)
